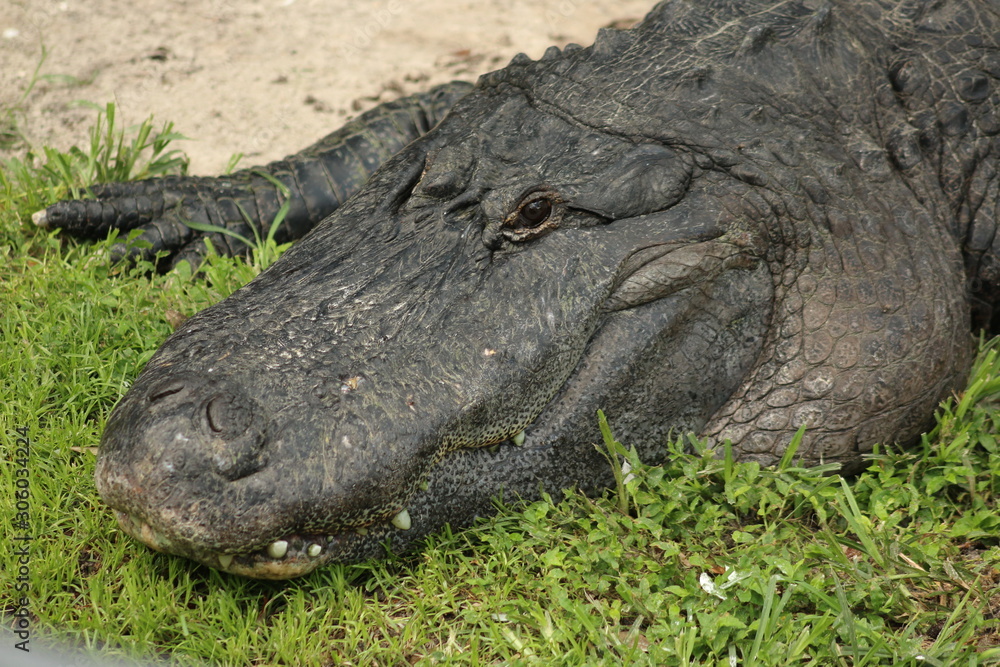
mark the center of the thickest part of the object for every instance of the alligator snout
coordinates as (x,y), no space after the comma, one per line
(183,427)
(177,443)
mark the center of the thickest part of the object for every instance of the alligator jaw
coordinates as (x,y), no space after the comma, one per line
(289,556)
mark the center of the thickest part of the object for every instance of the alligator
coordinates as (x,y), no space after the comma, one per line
(735,220)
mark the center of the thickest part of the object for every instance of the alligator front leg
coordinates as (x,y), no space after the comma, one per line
(317,180)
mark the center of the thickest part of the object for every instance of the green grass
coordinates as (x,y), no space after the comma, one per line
(703,561)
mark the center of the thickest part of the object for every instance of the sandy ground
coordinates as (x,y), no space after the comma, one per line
(262,77)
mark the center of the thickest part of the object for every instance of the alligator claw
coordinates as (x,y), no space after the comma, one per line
(161,208)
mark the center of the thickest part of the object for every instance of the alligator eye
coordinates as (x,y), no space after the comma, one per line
(536,215)
(533,214)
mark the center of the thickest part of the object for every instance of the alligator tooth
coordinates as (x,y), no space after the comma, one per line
(314,550)
(402,520)
(277,549)
(518,438)
(225,560)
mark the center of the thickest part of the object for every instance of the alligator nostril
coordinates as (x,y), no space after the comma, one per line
(226,416)
(216,413)
(235,443)
(166,390)
(208,420)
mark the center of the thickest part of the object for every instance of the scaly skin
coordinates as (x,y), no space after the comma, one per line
(734,220)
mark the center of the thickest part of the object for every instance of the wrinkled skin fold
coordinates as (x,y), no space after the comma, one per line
(728,221)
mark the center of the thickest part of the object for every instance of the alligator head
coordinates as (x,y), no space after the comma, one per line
(446,335)
(548,250)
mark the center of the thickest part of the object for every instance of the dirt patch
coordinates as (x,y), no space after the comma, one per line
(262,77)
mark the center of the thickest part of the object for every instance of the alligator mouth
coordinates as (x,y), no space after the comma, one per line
(291,555)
